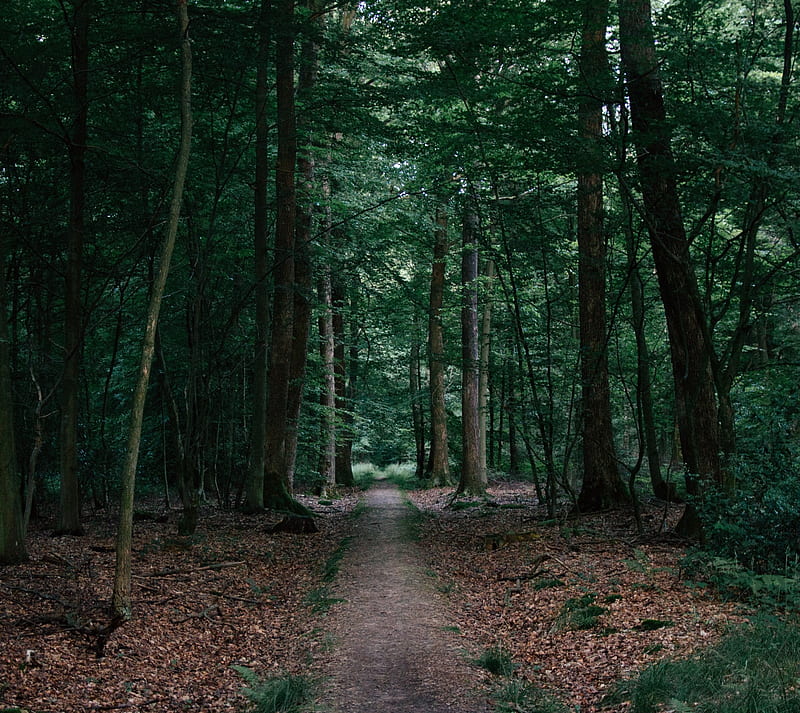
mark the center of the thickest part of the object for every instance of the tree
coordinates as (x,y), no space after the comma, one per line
(689,349)
(254,492)
(601,486)
(438,468)
(473,478)
(77,140)
(12,541)
(121,598)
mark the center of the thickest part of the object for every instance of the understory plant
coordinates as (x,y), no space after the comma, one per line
(752,670)
(276,694)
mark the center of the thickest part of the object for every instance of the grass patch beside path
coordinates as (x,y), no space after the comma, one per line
(754,669)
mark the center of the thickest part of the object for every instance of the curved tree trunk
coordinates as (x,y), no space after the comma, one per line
(121,599)
(691,361)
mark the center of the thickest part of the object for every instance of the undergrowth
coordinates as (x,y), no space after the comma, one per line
(518,696)
(276,694)
(754,669)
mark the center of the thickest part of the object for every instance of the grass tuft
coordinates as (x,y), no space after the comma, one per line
(497,661)
(277,694)
(519,696)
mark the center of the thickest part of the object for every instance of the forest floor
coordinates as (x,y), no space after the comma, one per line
(389,605)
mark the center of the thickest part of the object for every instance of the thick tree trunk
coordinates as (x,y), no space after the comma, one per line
(473,480)
(694,388)
(276,486)
(12,539)
(70,514)
(254,490)
(121,599)
(438,468)
(602,486)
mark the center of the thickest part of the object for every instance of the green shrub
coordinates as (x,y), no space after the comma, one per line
(579,613)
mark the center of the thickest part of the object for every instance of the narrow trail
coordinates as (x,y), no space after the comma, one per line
(393,652)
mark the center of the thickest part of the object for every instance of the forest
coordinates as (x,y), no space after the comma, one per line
(255,252)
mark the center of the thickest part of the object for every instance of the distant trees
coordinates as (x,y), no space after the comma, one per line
(313,249)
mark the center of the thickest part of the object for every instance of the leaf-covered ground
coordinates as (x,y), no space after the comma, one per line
(235,594)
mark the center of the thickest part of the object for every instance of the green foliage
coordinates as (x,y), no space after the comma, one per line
(579,613)
(752,670)
(331,567)
(321,599)
(519,696)
(758,525)
(732,580)
(496,660)
(276,694)
(547,583)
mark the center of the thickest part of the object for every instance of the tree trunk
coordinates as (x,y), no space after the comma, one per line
(473,480)
(121,599)
(327,467)
(485,350)
(303,280)
(12,538)
(254,490)
(415,392)
(276,486)
(602,487)
(694,390)
(70,514)
(438,468)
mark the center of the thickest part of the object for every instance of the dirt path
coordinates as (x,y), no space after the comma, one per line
(393,652)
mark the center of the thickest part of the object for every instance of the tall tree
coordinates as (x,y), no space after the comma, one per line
(12,541)
(473,479)
(121,598)
(602,486)
(689,350)
(254,491)
(77,139)
(438,468)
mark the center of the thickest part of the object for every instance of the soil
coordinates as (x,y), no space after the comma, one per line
(395,650)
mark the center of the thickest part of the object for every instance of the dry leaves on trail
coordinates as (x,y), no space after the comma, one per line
(520,597)
(231,595)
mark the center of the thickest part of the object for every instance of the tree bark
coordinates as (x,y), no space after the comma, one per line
(485,351)
(70,513)
(438,468)
(121,598)
(473,480)
(276,486)
(602,487)
(415,389)
(254,490)
(12,538)
(690,353)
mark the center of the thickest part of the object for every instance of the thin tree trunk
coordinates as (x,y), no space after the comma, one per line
(694,387)
(473,480)
(12,536)
(327,467)
(602,487)
(254,488)
(121,599)
(485,350)
(438,468)
(417,415)
(70,513)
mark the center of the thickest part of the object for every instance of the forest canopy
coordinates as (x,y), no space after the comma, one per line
(495,239)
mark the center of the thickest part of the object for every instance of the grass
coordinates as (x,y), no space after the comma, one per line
(754,669)
(276,694)
(519,696)
(579,614)
(497,661)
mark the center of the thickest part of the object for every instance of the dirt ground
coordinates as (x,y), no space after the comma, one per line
(395,650)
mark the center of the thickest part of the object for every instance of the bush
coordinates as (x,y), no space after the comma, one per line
(497,661)
(758,525)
